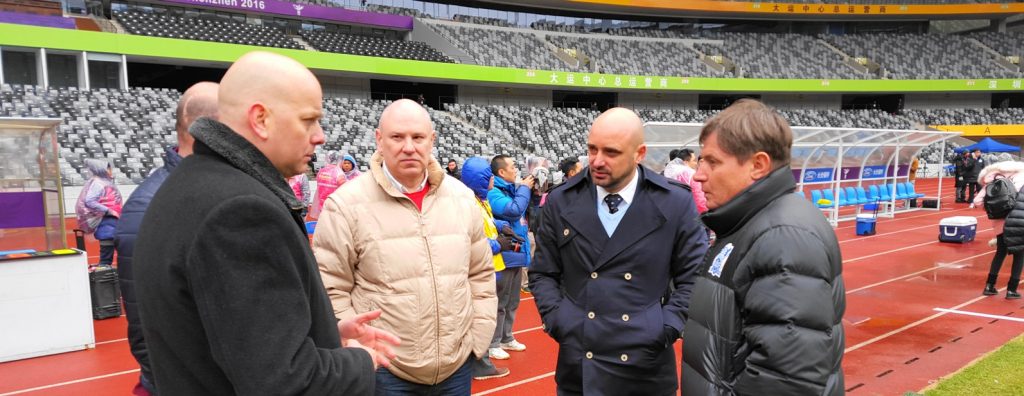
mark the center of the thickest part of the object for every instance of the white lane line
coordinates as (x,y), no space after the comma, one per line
(38,388)
(938,267)
(979,314)
(912,325)
(112,341)
(512,385)
(861,238)
(527,330)
(902,248)
(890,220)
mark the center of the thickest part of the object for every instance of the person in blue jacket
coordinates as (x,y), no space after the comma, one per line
(200,100)
(477,176)
(509,202)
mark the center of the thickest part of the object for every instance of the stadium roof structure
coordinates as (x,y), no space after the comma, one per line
(822,158)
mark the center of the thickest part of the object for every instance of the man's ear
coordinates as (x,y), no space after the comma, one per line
(258,117)
(761,165)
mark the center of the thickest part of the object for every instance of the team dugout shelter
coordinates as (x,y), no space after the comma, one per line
(842,171)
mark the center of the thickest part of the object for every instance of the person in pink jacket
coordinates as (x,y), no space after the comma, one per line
(1014,171)
(99,207)
(681,168)
(328,179)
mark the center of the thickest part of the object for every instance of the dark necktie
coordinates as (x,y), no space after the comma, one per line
(613,201)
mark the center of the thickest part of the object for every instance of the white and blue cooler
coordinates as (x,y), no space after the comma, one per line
(959,229)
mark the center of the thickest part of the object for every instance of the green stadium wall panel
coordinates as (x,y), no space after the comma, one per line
(158,47)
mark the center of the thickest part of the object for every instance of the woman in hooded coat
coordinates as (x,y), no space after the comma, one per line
(99,206)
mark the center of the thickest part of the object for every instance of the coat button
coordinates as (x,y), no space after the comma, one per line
(590,315)
(593,275)
(624,357)
(628,276)
(565,232)
(590,355)
(625,318)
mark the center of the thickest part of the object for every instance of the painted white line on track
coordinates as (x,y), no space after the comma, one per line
(979,314)
(902,248)
(38,388)
(912,325)
(112,341)
(861,238)
(527,330)
(512,385)
(938,267)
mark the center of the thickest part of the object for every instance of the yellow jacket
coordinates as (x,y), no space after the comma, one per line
(491,231)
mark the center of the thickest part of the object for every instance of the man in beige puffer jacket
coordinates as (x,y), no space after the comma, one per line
(409,240)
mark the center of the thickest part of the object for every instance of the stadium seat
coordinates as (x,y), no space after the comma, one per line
(912,192)
(884,193)
(863,196)
(873,193)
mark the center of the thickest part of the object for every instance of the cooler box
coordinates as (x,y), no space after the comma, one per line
(866,224)
(958,229)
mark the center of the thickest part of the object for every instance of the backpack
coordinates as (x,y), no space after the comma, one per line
(1000,198)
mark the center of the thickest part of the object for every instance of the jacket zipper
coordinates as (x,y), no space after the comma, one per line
(437,306)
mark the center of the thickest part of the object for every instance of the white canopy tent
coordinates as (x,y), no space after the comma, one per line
(825,160)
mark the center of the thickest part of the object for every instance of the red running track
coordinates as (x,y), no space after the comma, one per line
(896,341)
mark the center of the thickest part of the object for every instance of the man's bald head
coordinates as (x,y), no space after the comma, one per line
(405,141)
(275,103)
(405,110)
(199,100)
(621,122)
(261,77)
(615,147)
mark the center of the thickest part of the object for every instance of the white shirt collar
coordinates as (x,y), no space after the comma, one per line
(627,193)
(399,186)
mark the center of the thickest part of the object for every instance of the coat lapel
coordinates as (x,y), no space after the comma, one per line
(642,218)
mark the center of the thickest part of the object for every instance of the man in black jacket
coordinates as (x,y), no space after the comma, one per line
(200,100)
(229,292)
(766,312)
(972,168)
(959,162)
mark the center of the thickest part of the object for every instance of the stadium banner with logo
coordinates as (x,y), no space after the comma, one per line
(984,130)
(170,48)
(817,9)
(306,11)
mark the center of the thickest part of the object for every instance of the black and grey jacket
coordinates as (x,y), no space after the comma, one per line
(766,312)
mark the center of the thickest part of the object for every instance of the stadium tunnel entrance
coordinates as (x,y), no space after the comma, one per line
(599,101)
(433,95)
(177,77)
(891,104)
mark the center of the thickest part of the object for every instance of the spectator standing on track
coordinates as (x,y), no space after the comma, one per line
(766,313)
(477,175)
(350,167)
(973,166)
(509,202)
(99,206)
(959,169)
(1009,231)
(328,179)
(300,186)
(681,169)
(200,100)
